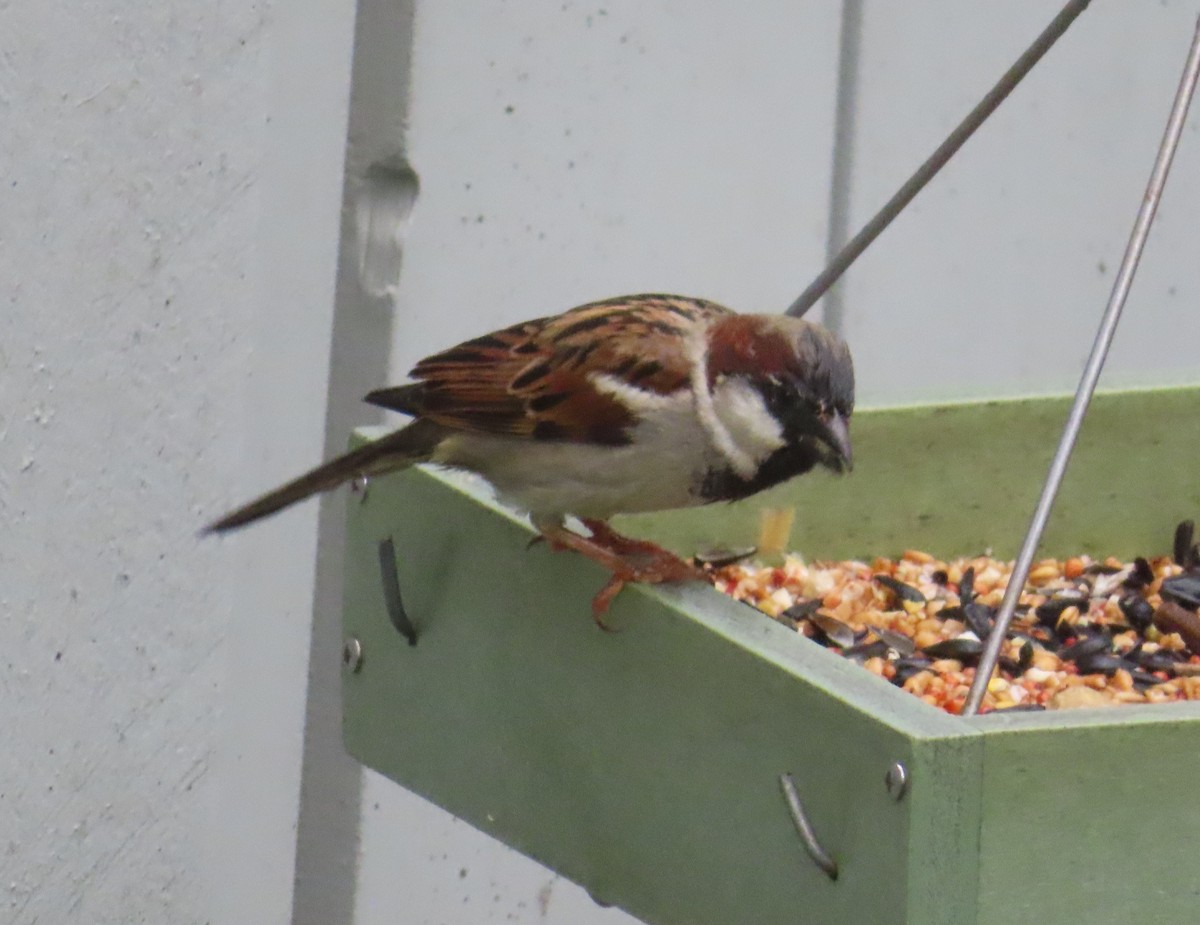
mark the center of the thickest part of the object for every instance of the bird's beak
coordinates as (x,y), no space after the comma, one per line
(838,437)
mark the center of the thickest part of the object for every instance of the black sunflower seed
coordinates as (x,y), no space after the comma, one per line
(1019,665)
(1183,589)
(961,648)
(900,589)
(802,610)
(1162,660)
(899,643)
(863,651)
(1048,613)
(1185,549)
(720,556)
(1083,647)
(1104,663)
(966,586)
(1137,611)
(907,667)
(1143,680)
(1141,575)
(979,617)
(833,630)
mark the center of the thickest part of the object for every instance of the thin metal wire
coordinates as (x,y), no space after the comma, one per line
(1091,372)
(804,827)
(936,161)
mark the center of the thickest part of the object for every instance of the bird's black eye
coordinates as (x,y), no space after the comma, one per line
(784,397)
(793,405)
(778,393)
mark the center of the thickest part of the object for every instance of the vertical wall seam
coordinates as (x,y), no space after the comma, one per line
(331,781)
(844,136)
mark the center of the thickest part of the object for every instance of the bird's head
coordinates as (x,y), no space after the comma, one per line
(804,374)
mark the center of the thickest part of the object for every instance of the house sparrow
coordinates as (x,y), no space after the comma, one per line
(638,403)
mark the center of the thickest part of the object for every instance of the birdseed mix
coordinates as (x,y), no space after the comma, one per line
(1087,633)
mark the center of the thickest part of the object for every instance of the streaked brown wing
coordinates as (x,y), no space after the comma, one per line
(534,379)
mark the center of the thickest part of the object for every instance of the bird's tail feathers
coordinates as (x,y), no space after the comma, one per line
(407,446)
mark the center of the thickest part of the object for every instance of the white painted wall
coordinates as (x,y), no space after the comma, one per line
(130,157)
(169,221)
(993,282)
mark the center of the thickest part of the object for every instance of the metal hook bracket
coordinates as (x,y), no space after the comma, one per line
(818,854)
(391,592)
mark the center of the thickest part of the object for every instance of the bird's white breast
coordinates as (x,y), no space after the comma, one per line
(663,466)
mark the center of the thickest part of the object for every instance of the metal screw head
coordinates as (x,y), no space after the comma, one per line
(359,485)
(352,655)
(896,780)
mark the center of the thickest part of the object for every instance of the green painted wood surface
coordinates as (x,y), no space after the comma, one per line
(958,479)
(643,763)
(1091,817)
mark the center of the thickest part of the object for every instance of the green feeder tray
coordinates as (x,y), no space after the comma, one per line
(645,764)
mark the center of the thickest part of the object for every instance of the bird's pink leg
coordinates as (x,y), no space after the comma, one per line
(628,559)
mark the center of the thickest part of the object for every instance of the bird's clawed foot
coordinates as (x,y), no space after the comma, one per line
(628,559)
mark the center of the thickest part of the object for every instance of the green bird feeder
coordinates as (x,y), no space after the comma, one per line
(645,763)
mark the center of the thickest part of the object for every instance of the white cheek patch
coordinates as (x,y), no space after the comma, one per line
(741,407)
(710,420)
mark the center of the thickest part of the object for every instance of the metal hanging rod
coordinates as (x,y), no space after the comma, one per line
(1091,373)
(936,161)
